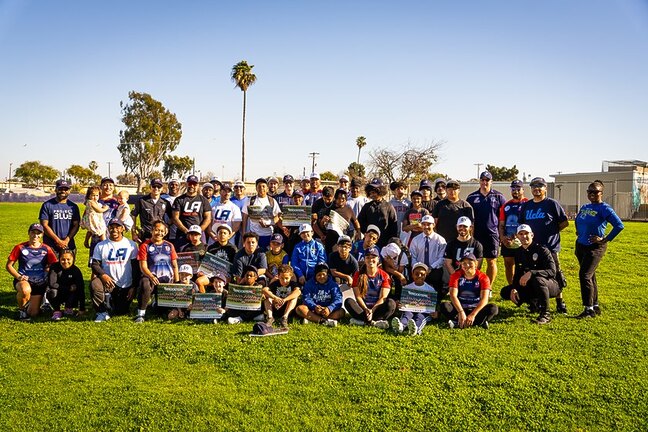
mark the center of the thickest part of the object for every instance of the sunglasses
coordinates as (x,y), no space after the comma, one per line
(593,191)
(537,185)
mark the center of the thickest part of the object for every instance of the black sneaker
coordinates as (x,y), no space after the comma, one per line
(597,310)
(587,313)
(544,318)
(561,307)
(484,325)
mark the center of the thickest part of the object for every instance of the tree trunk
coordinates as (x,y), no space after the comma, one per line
(359,148)
(243,139)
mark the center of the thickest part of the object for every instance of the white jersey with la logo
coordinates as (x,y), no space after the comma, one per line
(115,257)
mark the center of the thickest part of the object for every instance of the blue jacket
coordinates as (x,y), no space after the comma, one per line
(306,256)
(327,295)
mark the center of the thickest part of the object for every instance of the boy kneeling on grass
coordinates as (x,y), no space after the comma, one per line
(280,298)
(322,299)
(237,316)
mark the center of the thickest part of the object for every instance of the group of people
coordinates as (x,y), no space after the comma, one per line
(355,257)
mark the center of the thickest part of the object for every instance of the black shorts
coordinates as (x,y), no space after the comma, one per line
(490,244)
(37,289)
(508,253)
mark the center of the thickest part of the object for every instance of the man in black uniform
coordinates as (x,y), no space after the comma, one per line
(534,281)
(149,208)
(189,209)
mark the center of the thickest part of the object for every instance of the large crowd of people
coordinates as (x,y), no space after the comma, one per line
(315,254)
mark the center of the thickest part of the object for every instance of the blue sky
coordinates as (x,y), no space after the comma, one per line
(549,86)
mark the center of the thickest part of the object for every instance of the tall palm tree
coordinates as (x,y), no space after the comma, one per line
(360,142)
(243,78)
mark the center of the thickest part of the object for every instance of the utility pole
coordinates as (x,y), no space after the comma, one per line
(109,163)
(479,165)
(313,155)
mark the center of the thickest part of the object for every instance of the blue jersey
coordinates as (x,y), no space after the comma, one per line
(510,215)
(33,262)
(486,209)
(375,285)
(469,290)
(592,219)
(326,295)
(544,218)
(59,217)
(159,258)
(113,205)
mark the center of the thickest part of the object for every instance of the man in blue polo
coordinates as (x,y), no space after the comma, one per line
(547,218)
(60,219)
(486,203)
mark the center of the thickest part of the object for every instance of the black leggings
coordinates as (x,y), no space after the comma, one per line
(383,312)
(538,289)
(486,314)
(589,258)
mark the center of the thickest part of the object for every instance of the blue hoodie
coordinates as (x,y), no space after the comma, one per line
(306,256)
(327,295)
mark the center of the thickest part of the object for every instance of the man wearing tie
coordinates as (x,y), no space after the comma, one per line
(428,248)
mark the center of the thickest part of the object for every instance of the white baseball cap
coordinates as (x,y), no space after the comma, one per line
(427,219)
(465,221)
(185,268)
(524,227)
(305,228)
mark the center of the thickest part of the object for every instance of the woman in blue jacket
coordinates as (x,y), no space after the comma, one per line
(591,244)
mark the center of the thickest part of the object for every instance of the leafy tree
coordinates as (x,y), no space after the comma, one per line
(127,179)
(356,169)
(83,175)
(408,163)
(151,133)
(177,166)
(328,176)
(360,142)
(503,173)
(35,173)
(243,78)
(93,165)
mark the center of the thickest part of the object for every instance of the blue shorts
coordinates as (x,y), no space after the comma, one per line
(491,245)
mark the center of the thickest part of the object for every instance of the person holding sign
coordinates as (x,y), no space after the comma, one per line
(262,212)
(469,294)
(244,301)
(158,263)
(371,288)
(185,273)
(280,298)
(415,317)
(322,299)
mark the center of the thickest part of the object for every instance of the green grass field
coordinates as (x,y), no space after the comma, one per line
(568,375)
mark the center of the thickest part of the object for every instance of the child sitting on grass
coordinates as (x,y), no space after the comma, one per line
(237,316)
(322,299)
(185,273)
(280,298)
(275,256)
(66,286)
(415,321)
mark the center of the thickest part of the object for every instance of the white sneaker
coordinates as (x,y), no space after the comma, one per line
(305,321)
(102,317)
(411,327)
(356,322)
(381,324)
(330,323)
(397,325)
(452,324)
(234,320)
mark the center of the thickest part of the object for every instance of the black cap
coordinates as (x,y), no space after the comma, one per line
(261,180)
